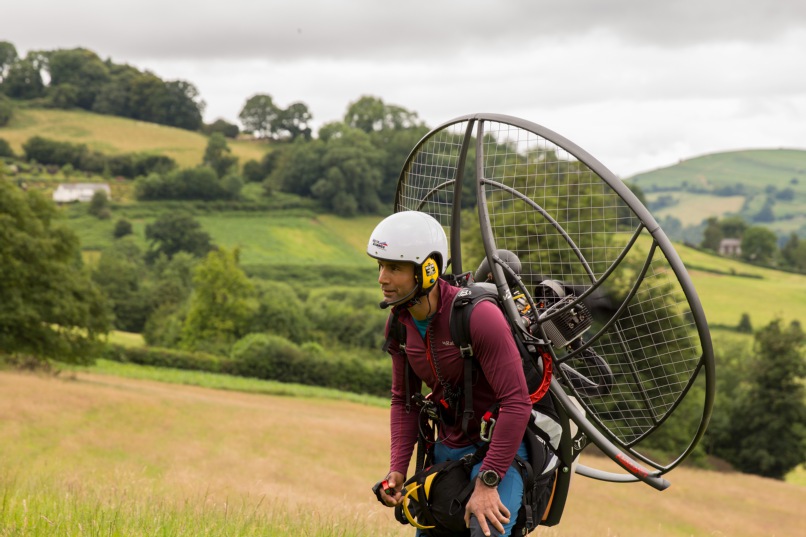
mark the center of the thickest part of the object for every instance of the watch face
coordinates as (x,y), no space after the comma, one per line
(490,478)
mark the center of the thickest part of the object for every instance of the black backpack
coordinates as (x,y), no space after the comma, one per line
(543,432)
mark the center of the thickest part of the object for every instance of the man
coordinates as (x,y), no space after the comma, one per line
(412,252)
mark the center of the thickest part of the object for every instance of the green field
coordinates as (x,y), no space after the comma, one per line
(691,207)
(781,168)
(729,288)
(288,242)
(114,135)
(691,180)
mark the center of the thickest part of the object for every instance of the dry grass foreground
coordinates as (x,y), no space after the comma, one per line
(168,442)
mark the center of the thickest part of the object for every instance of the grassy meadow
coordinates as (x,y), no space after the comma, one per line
(89,453)
(114,135)
(756,170)
(778,167)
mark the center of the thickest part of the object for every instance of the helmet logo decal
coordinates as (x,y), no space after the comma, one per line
(379,244)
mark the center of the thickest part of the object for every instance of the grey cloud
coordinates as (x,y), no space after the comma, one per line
(370,29)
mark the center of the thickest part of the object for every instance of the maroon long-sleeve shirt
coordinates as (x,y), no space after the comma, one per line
(500,380)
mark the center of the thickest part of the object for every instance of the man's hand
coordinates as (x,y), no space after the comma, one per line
(395,482)
(486,505)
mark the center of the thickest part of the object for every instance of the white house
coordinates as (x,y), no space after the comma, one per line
(69,192)
(730,247)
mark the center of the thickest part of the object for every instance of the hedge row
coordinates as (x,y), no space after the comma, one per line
(162,357)
(80,157)
(269,357)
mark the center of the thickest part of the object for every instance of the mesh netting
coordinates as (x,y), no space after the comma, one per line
(569,225)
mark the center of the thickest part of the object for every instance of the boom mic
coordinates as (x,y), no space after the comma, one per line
(383,305)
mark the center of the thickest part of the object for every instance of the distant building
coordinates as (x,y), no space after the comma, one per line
(70,192)
(730,247)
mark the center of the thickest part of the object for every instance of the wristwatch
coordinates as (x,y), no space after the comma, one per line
(490,478)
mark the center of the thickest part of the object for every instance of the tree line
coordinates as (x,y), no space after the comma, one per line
(758,244)
(79,78)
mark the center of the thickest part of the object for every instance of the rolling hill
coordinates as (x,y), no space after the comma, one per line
(736,182)
(114,135)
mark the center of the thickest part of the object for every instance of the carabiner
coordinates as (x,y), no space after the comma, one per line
(485,434)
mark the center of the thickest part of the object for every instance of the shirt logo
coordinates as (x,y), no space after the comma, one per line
(447,343)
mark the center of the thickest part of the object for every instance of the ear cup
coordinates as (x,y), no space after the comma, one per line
(430,273)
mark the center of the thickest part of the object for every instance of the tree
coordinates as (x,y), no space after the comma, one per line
(759,244)
(23,80)
(116,97)
(230,130)
(295,121)
(396,146)
(181,106)
(352,175)
(745,325)
(99,205)
(372,114)
(218,155)
(794,252)
(221,305)
(733,227)
(176,232)
(200,183)
(712,235)
(260,115)
(253,171)
(8,55)
(121,274)
(173,283)
(5,147)
(82,70)
(766,434)
(280,311)
(367,114)
(51,308)
(766,213)
(301,167)
(122,228)
(6,111)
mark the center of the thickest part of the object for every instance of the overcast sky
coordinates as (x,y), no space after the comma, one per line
(639,84)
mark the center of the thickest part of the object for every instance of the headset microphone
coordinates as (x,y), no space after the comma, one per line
(383,305)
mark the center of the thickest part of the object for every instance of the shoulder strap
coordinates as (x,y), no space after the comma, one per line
(462,307)
(397,333)
(463,304)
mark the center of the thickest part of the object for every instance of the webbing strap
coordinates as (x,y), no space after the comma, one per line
(397,333)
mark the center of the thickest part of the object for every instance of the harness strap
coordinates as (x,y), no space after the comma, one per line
(397,333)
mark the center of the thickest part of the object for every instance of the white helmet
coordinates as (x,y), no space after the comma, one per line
(413,237)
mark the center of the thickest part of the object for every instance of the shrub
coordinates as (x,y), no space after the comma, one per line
(161,357)
(230,130)
(268,356)
(5,149)
(6,110)
(280,312)
(272,357)
(745,326)
(122,228)
(253,172)
(47,151)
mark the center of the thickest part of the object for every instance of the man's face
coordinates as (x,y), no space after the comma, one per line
(396,279)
